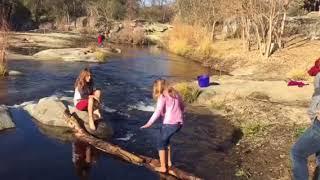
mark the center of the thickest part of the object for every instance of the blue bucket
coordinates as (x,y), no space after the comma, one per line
(203,80)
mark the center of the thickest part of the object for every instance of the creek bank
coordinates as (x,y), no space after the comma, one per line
(271,116)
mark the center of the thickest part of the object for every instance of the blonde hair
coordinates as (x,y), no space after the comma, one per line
(160,86)
(81,80)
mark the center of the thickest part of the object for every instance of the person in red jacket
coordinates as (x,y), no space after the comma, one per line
(100,40)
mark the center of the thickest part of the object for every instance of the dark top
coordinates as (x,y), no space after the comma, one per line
(86,90)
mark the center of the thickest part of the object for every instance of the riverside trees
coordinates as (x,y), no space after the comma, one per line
(3,41)
(262,22)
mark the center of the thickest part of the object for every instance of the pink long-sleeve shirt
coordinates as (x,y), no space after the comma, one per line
(169,107)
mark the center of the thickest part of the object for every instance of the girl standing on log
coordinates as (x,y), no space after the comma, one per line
(85,97)
(169,105)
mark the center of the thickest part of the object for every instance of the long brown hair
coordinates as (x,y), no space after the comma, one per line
(160,86)
(81,80)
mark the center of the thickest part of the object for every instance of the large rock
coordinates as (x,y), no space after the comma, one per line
(82,22)
(73,54)
(5,119)
(156,27)
(47,26)
(49,111)
(306,25)
(231,28)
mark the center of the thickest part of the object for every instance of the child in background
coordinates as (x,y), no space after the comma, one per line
(170,105)
(100,40)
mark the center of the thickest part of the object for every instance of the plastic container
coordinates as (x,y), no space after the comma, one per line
(203,80)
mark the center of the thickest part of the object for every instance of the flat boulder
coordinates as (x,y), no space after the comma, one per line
(50,111)
(5,119)
(74,54)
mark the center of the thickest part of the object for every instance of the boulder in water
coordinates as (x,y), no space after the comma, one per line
(5,119)
(14,73)
(50,111)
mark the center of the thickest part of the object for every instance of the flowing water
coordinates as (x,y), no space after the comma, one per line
(37,153)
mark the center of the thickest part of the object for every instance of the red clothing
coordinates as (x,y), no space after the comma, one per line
(296,83)
(82,105)
(100,39)
(313,71)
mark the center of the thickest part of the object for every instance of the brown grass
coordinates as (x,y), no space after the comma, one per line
(186,40)
(292,62)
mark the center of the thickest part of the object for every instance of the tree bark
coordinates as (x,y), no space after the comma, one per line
(269,39)
(280,43)
(213,30)
(259,41)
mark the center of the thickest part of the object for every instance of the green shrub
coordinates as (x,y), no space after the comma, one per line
(101,55)
(253,128)
(299,131)
(189,93)
(3,70)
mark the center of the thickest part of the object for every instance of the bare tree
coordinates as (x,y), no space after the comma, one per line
(3,44)
(132,8)
(207,13)
(266,18)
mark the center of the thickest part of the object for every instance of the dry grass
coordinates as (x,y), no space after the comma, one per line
(3,70)
(298,74)
(186,40)
(100,55)
(189,92)
(291,62)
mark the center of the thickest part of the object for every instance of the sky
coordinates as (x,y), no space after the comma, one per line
(148,2)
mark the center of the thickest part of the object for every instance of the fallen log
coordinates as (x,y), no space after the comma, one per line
(99,143)
(109,148)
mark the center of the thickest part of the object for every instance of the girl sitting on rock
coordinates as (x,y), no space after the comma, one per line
(170,106)
(85,97)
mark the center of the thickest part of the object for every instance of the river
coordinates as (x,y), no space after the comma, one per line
(29,152)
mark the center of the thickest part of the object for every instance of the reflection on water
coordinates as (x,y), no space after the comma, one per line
(3,91)
(84,156)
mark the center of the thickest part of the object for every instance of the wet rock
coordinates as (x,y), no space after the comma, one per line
(14,73)
(60,133)
(5,119)
(50,111)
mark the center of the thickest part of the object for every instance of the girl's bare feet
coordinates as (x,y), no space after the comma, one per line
(91,124)
(160,169)
(97,112)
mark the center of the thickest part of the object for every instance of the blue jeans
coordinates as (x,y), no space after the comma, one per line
(166,132)
(307,144)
